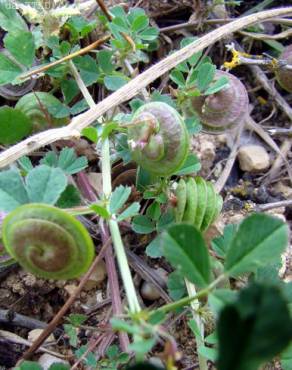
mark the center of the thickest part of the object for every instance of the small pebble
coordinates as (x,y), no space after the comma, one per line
(47,360)
(149,292)
(35,333)
(253,158)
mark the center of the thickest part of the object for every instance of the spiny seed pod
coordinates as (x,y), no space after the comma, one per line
(223,110)
(158,139)
(197,202)
(36,106)
(284,77)
(47,241)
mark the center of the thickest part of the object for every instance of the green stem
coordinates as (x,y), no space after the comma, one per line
(115,233)
(187,300)
(107,189)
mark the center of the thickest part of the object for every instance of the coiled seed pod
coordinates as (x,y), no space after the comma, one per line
(47,241)
(197,202)
(223,110)
(284,77)
(158,139)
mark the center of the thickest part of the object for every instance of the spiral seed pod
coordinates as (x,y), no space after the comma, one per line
(223,110)
(158,139)
(37,107)
(197,202)
(284,77)
(47,241)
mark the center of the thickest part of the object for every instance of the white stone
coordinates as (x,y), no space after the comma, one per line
(47,360)
(253,158)
(149,292)
(35,333)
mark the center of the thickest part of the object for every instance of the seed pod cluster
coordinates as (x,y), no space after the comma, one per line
(197,202)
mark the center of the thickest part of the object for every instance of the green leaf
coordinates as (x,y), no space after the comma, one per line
(154,211)
(206,73)
(29,365)
(104,59)
(221,244)
(143,225)
(140,23)
(69,198)
(50,159)
(184,247)
(12,190)
(14,125)
(113,83)
(254,244)
(21,45)
(190,166)
(150,34)
(221,83)
(25,163)
(90,133)
(77,319)
(88,69)
(8,70)
(69,89)
(119,197)
(254,329)
(59,366)
(154,249)
(142,345)
(89,358)
(165,220)
(69,162)
(177,77)
(176,285)
(195,329)
(101,211)
(209,353)
(220,298)
(45,184)
(108,129)
(131,211)
(286,358)
(193,125)
(10,20)
(71,331)
(122,325)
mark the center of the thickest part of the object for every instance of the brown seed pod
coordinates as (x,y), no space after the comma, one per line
(284,77)
(224,109)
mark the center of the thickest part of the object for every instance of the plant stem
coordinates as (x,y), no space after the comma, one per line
(107,189)
(187,300)
(195,304)
(115,233)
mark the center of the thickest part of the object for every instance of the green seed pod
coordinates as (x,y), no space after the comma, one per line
(197,202)
(284,77)
(47,241)
(37,107)
(158,139)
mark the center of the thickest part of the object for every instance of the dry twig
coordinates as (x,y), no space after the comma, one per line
(133,87)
